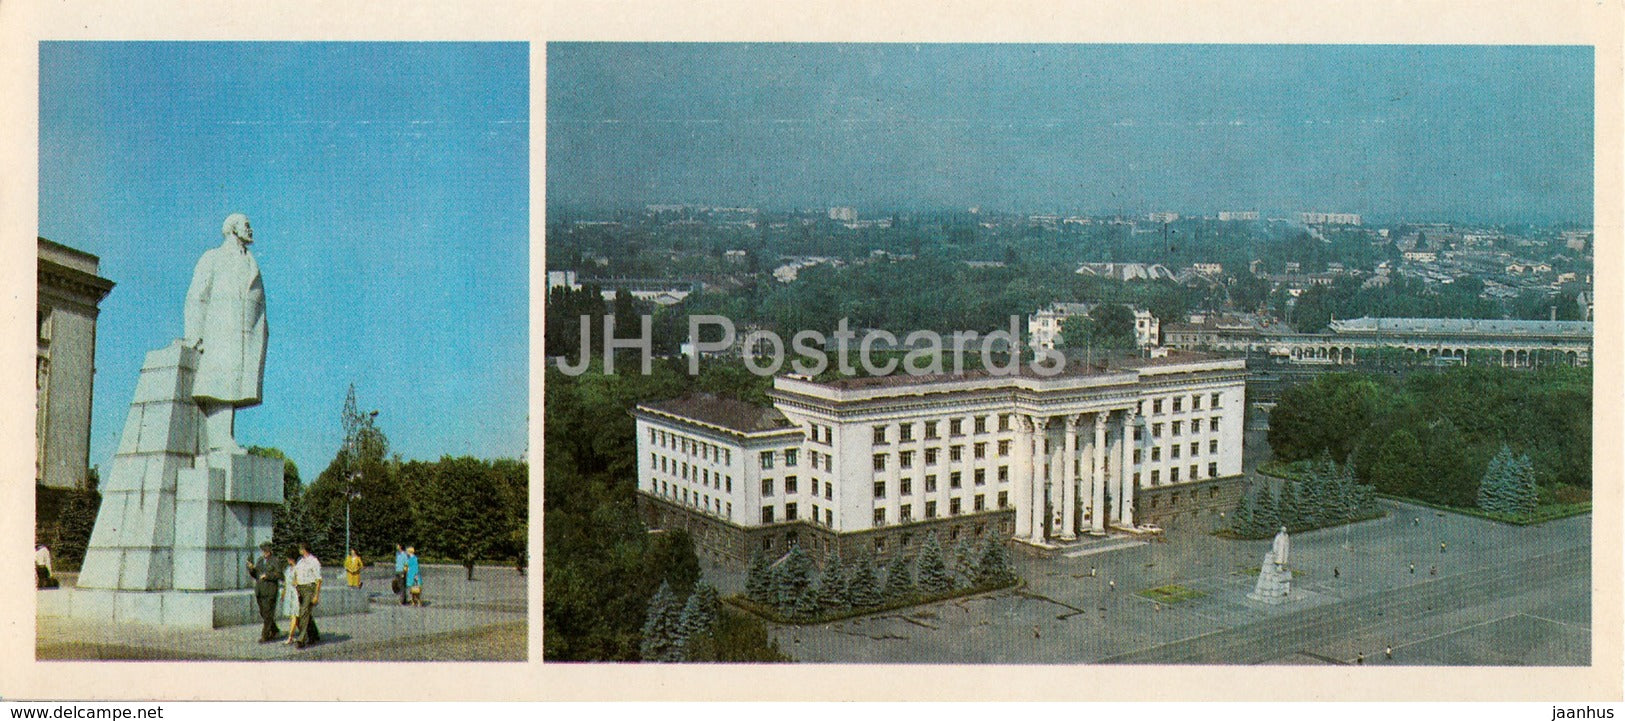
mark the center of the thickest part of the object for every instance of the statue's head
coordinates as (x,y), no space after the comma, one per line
(236,226)
(1283,529)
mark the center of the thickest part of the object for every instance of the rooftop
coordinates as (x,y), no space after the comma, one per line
(729,413)
(1074,368)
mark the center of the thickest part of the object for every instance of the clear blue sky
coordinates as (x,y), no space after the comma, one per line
(388,187)
(1465,132)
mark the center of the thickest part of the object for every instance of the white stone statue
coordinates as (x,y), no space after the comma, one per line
(225,320)
(1282,547)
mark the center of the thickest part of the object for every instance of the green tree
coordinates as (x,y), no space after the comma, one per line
(759,580)
(965,560)
(1328,414)
(832,597)
(670,557)
(1398,465)
(459,521)
(661,640)
(863,585)
(1287,510)
(934,576)
(993,565)
(899,580)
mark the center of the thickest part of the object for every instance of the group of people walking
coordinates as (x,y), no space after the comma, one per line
(292,589)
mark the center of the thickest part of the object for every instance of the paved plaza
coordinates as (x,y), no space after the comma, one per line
(1497,595)
(482,620)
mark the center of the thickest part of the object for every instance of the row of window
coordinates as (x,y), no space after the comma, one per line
(931,429)
(821,516)
(1173,474)
(1178,427)
(905,513)
(1177,403)
(692,473)
(690,446)
(792,487)
(1174,450)
(767,458)
(905,486)
(905,459)
(703,501)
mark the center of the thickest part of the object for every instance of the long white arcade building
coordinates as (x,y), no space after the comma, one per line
(876,463)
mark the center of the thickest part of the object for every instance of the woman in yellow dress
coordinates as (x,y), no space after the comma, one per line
(352,569)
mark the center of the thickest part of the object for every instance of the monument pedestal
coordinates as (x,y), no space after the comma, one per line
(178,523)
(1274,582)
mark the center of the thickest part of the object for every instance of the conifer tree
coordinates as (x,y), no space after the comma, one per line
(1243,517)
(832,597)
(993,565)
(1265,518)
(699,616)
(806,607)
(863,585)
(1523,495)
(1494,488)
(965,560)
(934,576)
(660,626)
(791,577)
(1287,509)
(899,580)
(759,580)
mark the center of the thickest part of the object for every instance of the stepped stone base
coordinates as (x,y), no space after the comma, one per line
(1274,583)
(181,609)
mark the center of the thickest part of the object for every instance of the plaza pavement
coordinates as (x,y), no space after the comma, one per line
(1497,595)
(482,620)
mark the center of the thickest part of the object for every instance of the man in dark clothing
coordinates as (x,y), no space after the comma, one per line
(267,575)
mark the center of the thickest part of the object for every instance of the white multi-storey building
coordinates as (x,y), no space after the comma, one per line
(876,463)
(1044,326)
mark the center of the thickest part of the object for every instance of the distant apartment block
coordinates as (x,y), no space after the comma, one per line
(1329,218)
(1229,215)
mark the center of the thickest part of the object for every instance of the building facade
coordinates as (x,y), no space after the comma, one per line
(1511,343)
(875,464)
(70,292)
(1044,326)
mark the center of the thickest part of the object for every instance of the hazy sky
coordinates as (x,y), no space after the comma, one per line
(388,189)
(1490,133)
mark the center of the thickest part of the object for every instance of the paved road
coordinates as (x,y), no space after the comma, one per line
(1501,595)
(461,620)
(1391,618)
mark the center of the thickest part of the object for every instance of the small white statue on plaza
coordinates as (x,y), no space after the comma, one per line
(225,320)
(1282,547)
(1274,577)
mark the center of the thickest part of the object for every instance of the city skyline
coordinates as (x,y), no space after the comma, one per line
(1469,133)
(387,184)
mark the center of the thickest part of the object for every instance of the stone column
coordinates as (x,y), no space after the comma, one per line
(1069,481)
(1021,478)
(1125,469)
(1097,476)
(1040,518)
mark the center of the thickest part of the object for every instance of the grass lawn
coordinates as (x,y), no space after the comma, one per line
(1171,594)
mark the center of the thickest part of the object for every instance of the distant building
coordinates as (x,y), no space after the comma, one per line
(862,465)
(1127,271)
(70,293)
(1329,218)
(734,256)
(1044,326)
(562,279)
(1512,343)
(1208,268)
(1421,256)
(1162,217)
(1229,215)
(843,214)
